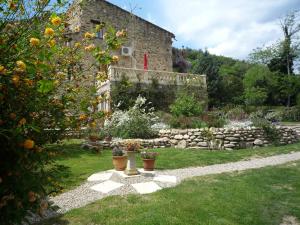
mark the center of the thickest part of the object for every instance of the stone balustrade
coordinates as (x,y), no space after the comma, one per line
(162,77)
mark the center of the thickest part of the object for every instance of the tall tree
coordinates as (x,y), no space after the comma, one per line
(282,56)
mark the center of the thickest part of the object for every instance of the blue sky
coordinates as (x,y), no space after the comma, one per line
(225,27)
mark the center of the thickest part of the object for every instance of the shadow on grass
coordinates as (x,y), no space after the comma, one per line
(57,220)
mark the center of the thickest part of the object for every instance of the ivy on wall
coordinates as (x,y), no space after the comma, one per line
(124,93)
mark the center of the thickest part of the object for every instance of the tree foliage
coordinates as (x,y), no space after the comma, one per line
(38,102)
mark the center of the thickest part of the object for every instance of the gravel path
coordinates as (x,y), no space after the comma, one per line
(84,195)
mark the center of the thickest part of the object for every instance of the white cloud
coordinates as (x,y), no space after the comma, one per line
(231,28)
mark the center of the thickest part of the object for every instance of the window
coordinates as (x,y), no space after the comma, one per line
(100,33)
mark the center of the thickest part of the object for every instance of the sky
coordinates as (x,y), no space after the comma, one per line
(225,27)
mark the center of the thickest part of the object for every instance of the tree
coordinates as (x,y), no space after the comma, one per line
(283,55)
(209,65)
(37,102)
(258,83)
(232,82)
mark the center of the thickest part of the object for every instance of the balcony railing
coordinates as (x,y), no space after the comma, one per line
(162,77)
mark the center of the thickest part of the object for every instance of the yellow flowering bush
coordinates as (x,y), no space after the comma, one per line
(41,96)
(35,102)
(34,41)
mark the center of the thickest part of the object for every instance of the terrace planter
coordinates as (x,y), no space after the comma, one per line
(149,164)
(120,162)
(93,138)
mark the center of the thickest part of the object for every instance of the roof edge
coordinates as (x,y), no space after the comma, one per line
(118,7)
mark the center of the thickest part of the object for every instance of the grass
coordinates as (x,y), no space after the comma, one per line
(290,123)
(80,163)
(261,197)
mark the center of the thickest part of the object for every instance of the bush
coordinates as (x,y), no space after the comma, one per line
(136,122)
(185,122)
(258,120)
(291,114)
(236,113)
(38,102)
(186,105)
(214,119)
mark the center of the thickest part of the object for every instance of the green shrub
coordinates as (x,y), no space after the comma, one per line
(214,119)
(186,105)
(258,119)
(236,113)
(185,122)
(291,114)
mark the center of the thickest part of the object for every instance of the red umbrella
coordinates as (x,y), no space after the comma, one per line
(145,61)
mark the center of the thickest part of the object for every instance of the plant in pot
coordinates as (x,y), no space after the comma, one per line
(119,158)
(132,146)
(149,160)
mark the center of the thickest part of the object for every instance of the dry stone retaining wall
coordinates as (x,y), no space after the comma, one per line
(222,138)
(213,138)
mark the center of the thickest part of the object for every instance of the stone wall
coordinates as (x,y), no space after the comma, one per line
(214,138)
(222,138)
(143,36)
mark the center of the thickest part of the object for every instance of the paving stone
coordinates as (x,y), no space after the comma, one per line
(100,177)
(106,186)
(165,178)
(146,187)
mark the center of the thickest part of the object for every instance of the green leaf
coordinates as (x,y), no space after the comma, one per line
(45,86)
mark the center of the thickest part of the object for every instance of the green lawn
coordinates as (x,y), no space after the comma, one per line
(260,197)
(79,163)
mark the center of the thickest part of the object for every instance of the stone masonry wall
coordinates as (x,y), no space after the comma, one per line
(143,36)
(229,139)
(214,138)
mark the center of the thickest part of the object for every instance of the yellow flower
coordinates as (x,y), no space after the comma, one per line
(90,47)
(56,21)
(15,79)
(105,36)
(77,29)
(2,70)
(93,124)
(89,35)
(21,66)
(34,41)
(115,58)
(51,43)
(77,45)
(121,33)
(49,31)
(28,82)
(22,121)
(28,144)
(56,82)
(12,116)
(31,196)
(82,117)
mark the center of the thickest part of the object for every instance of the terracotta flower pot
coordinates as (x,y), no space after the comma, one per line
(93,138)
(149,164)
(120,162)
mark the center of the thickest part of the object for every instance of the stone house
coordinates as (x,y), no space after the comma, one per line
(144,39)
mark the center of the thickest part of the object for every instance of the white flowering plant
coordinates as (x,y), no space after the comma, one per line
(136,122)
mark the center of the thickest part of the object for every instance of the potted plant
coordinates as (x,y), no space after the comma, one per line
(93,137)
(132,146)
(149,160)
(119,158)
